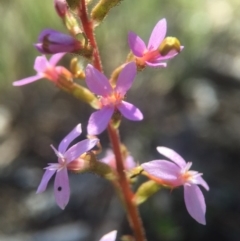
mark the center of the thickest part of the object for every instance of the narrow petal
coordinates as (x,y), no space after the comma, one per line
(201,181)
(170,55)
(109,236)
(195,203)
(58,154)
(27,80)
(69,138)
(61,188)
(97,82)
(56,58)
(126,78)
(78,149)
(162,169)
(57,48)
(45,179)
(136,44)
(40,64)
(158,34)
(129,163)
(98,120)
(130,111)
(156,64)
(172,155)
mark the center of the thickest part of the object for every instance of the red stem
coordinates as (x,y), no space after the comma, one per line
(132,211)
(127,194)
(88,30)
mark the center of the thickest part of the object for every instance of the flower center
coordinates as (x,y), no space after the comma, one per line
(51,73)
(188,176)
(113,99)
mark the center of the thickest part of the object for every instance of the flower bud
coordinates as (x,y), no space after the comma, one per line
(61,7)
(52,41)
(73,4)
(169,44)
(101,10)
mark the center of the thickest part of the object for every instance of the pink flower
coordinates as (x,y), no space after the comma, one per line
(65,157)
(45,69)
(109,236)
(111,99)
(51,41)
(109,159)
(177,173)
(151,55)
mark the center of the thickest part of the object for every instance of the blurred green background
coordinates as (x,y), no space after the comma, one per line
(191,106)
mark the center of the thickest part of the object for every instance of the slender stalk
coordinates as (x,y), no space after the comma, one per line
(132,211)
(88,30)
(126,192)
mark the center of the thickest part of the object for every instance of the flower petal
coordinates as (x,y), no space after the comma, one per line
(61,188)
(130,111)
(109,236)
(156,64)
(195,203)
(126,78)
(97,82)
(162,169)
(136,44)
(170,55)
(129,163)
(98,120)
(69,138)
(201,181)
(56,58)
(45,179)
(27,80)
(78,149)
(40,64)
(172,155)
(157,35)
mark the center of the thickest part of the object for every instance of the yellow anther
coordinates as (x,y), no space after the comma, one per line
(169,44)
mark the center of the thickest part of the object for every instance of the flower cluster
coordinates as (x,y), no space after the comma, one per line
(109,98)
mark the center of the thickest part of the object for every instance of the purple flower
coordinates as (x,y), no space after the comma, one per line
(65,157)
(111,98)
(45,69)
(150,54)
(109,236)
(177,173)
(110,159)
(51,42)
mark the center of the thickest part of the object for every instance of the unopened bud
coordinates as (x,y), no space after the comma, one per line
(61,7)
(101,10)
(169,44)
(73,4)
(76,69)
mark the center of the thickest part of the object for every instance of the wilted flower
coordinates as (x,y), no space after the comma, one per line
(111,99)
(110,159)
(158,49)
(177,173)
(65,157)
(45,69)
(51,41)
(61,7)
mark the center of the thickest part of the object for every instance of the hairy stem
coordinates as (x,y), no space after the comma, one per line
(88,30)
(127,194)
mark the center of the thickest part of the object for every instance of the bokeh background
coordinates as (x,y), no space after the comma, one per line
(193,106)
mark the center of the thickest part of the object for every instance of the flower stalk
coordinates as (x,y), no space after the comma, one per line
(127,194)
